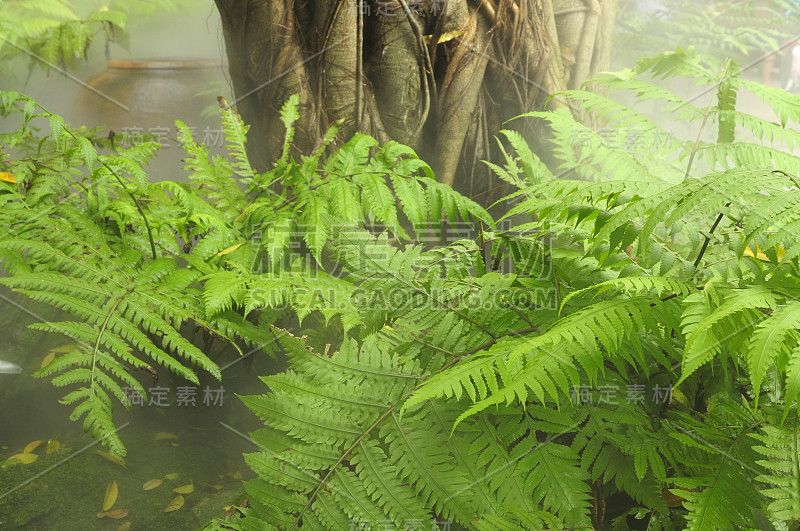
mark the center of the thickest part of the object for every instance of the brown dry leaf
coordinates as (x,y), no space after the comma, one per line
(23,458)
(116,514)
(111,496)
(671,499)
(175,504)
(185,489)
(153,483)
(7,177)
(31,447)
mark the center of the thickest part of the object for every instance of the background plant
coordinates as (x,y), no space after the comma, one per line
(58,33)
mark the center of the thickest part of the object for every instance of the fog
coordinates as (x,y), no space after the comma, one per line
(188,35)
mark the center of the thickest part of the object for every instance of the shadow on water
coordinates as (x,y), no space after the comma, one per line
(185,436)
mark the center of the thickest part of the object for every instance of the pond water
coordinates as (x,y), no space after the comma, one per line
(187,437)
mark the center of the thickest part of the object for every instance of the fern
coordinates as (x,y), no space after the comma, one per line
(781,448)
(649,281)
(345,404)
(628,351)
(113,273)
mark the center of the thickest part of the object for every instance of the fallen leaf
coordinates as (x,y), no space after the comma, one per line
(175,504)
(31,447)
(53,446)
(153,483)
(235,475)
(124,526)
(111,496)
(173,475)
(113,458)
(64,349)
(7,177)
(185,489)
(209,485)
(230,249)
(48,359)
(23,458)
(164,435)
(116,514)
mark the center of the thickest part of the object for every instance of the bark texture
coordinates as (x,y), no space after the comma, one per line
(439,75)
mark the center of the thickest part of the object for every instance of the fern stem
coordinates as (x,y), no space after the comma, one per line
(722,79)
(429,296)
(708,238)
(121,183)
(100,332)
(341,459)
(434,347)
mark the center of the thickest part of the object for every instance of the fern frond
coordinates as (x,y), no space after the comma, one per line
(780,445)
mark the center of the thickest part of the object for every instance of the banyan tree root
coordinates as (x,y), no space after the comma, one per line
(439,75)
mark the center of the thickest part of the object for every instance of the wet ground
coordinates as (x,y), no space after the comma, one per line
(189,438)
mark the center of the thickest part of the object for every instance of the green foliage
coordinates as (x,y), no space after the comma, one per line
(628,351)
(669,266)
(87,233)
(718,28)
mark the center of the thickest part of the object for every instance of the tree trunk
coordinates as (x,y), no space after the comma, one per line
(439,75)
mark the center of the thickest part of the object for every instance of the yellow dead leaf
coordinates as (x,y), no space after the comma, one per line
(7,177)
(230,249)
(175,504)
(64,349)
(244,213)
(23,458)
(444,37)
(111,496)
(113,458)
(760,255)
(153,483)
(124,526)
(31,447)
(173,475)
(209,485)
(53,446)
(160,436)
(48,359)
(185,489)
(116,514)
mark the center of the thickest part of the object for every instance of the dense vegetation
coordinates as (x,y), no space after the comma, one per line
(619,350)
